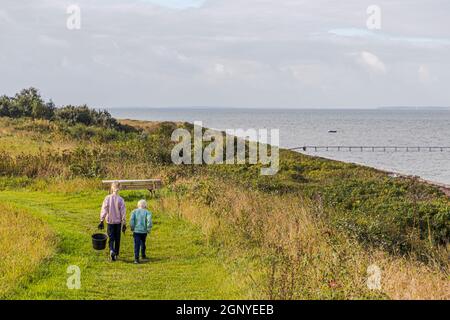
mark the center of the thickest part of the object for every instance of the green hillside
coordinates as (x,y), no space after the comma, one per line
(222,231)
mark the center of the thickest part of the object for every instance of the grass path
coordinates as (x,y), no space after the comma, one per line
(181,266)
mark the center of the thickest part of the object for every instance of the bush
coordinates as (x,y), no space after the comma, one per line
(75,115)
(29,103)
(26,103)
(5,105)
(87,163)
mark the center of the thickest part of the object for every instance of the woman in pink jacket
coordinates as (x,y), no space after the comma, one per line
(114,212)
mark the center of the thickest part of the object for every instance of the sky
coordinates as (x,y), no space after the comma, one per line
(228,53)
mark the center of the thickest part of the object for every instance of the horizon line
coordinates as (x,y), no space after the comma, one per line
(283,108)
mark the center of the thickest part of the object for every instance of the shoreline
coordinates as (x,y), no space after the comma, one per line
(445,188)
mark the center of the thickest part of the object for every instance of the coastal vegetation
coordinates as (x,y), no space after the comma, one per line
(19,259)
(310,232)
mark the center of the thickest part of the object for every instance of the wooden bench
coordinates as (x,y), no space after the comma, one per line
(149,184)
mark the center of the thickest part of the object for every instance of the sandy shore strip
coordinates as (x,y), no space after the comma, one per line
(445,188)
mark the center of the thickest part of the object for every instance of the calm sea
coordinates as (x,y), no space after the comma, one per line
(381,127)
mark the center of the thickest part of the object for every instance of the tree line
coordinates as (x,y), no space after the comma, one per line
(29,103)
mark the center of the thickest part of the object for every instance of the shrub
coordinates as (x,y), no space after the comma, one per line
(29,103)
(75,115)
(5,105)
(26,103)
(87,163)
(43,111)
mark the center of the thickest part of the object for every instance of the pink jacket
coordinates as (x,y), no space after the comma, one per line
(114,210)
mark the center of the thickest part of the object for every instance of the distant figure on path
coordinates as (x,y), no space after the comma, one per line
(141,224)
(114,211)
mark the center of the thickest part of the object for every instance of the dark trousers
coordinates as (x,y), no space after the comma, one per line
(114,237)
(139,244)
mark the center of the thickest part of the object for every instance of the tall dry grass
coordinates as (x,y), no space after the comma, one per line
(408,279)
(298,254)
(25,242)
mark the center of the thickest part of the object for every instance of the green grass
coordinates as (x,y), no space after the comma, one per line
(22,249)
(363,210)
(181,265)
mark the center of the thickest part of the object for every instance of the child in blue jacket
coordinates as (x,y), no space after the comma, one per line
(141,224)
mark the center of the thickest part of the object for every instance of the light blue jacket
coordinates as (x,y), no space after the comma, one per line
(141,221)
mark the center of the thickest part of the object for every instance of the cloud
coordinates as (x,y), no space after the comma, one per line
(424,74)
(53,42)
(386,37)
(220,69)
(261,53)
(177,4)
(306,74)
(4,17)
(372,62)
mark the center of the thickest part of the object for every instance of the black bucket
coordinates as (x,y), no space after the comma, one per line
(99,241)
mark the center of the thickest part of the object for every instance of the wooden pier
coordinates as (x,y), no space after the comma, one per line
(373,148)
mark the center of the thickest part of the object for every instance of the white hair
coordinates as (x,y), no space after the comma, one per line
(115,186)
(142,204)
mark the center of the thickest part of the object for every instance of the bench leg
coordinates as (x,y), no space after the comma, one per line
(152,193)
